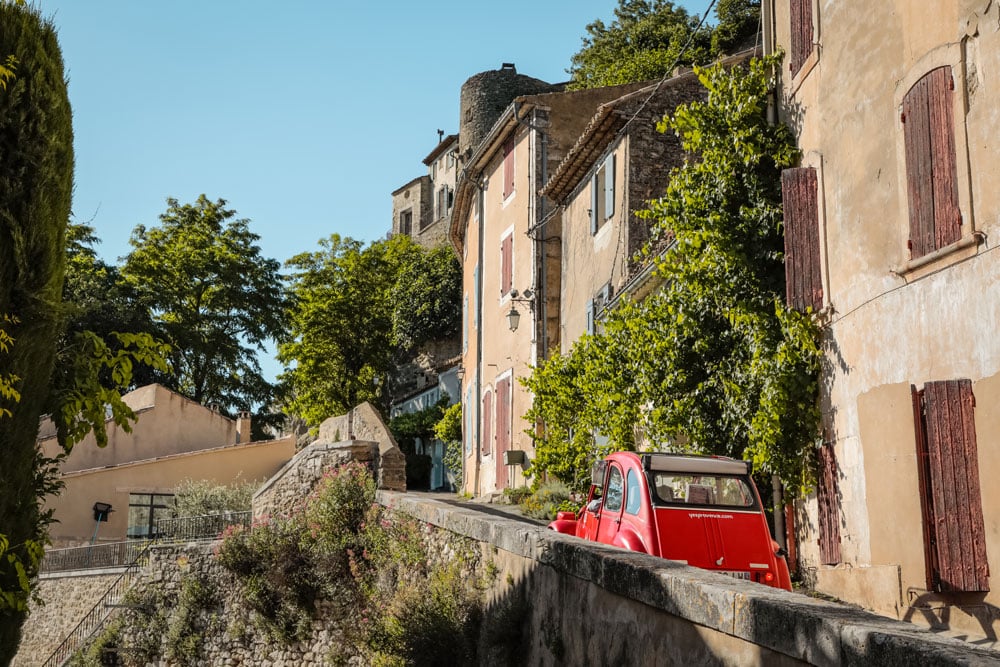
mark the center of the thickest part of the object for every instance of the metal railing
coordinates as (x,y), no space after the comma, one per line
(111,554)
(98,616)
(207,526)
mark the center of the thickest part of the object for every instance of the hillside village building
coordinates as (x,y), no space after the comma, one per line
(891,221)
(172,440)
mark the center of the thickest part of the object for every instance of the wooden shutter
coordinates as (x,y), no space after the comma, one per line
(503,429)
(609,186)
(931,171)
(801,33)
(508,168)
(487,423)
(826,500)
(803,270)
(955,537)
(506,270)
(594,199)
(590,317)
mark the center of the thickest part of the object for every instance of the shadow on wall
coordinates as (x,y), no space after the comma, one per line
(936,609)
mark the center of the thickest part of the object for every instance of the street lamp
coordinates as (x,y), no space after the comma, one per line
(514,317)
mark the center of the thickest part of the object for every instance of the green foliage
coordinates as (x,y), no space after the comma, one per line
(8,383)
(547,499)
(197,497)
(646,38)
(714,362)
(102,650)
(427,298)
(213,297)
(449,430)
(36,182)
(188,621)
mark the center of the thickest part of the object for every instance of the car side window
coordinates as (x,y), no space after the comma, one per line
(615,492)
(633,501)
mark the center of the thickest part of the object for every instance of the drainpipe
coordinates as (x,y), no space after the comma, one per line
(481,209)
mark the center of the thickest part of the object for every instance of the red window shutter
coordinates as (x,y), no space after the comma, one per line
(503,429)
(803,270)
(506,259)
(801,33)
(954,528)
(826,499)
(931,172)
(487,423)
(508,168)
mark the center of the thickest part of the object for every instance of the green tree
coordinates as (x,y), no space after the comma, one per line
(714,362)
(36,181)
(213,297)
(427,297)
(341,347)
(647,39)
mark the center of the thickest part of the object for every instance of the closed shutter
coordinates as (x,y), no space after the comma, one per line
(826,500)
(508,168)
(803,270)
(931,172)
(609,186)
(950,495)
(506,258)
(487,423)
(594,199)
(590,317)
(503,429)
(801,33)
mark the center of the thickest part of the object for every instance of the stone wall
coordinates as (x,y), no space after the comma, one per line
(364,423)
(69,596)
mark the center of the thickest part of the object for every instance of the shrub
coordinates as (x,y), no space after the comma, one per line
(549,498)
(200,497)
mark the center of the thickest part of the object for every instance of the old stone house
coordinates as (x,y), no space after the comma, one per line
(888,223)
(421,209)
(172,439)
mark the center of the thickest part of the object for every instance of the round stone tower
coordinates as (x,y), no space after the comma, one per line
(483,98)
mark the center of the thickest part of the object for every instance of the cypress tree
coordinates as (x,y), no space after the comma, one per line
(36,181)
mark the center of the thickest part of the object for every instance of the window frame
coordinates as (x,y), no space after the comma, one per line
(506,263)
(508,167)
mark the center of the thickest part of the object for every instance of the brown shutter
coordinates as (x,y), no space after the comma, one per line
(506,258)
(508,168)
(953,464)
(503,429)
(801,33)
(487,422)
(826,498)
(803,270)
(931,173)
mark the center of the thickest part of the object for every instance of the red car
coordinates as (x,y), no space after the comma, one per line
(701,510)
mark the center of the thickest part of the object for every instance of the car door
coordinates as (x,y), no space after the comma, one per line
(612,504)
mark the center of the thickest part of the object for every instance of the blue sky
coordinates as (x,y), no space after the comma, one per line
(303,115)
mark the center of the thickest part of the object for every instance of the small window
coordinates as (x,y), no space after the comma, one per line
(613,496)
(633,493)
(144,510)
(801,20)
(803,274)
(406,222)
(508,168)
(602,194)
(931,168)
(950,498)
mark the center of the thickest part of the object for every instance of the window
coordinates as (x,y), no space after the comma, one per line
(826,501)
(931,171)
(506,264)
(508,168)
(703,489)
(948,472)
(633,493)
(465,323)
(602,194)
(613,497)
(144,509)
(801,19)
(596,306)
(406,222)
(803,274)
(487,423)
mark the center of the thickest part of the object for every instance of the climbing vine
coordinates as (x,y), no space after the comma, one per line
(713,362)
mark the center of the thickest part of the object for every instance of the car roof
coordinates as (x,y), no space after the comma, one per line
(698,464)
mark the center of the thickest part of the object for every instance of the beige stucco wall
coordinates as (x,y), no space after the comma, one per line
(166,423)
(890,325)
(223,465)
(591,260)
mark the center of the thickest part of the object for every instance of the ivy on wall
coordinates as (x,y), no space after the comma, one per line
(714,362)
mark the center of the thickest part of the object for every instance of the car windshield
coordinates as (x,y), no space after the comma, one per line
(702,489)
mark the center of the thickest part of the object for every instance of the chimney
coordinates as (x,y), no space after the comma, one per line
(243,427)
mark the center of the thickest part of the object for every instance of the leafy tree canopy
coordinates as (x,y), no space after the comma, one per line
(427,297)
(213,296)
(646,41)
(714,362)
